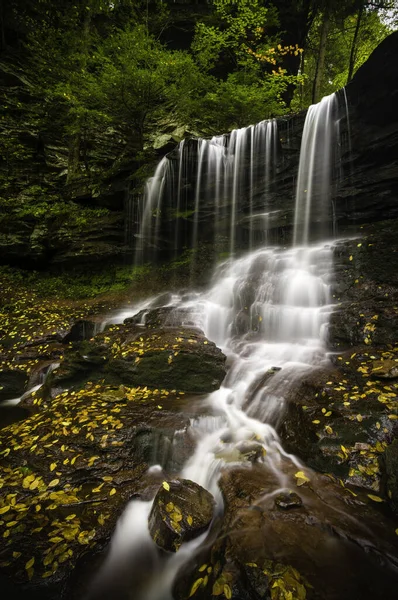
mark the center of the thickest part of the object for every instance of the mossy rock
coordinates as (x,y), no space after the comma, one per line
(173,358)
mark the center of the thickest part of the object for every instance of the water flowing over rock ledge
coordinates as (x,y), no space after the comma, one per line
(280,529)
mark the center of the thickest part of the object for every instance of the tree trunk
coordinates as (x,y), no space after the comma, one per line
(354,45)
(320,65)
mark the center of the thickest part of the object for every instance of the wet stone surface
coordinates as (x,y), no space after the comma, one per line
(68,471)
(263,551)
(181,511)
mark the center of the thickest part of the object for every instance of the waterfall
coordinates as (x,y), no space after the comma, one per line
(206,187)
(313,193)
(268,310)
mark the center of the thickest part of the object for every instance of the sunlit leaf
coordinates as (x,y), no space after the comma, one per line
(195,586)
(375,498)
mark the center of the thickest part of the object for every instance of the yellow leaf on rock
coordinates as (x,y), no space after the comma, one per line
(301,478)
(375,498)
(166,486)
(195,586)
(112,492)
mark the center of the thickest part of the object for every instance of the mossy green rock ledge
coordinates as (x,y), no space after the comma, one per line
(176,358)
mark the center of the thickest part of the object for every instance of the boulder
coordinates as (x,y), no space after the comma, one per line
(340,421)
(171,358)
(293,548)
(12,383)
(181,511)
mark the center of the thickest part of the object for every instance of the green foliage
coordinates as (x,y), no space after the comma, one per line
(76,284)
(373,29)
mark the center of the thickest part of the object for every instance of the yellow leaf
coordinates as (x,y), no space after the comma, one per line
(328,430)
(112,492)
(4,509)
(375,498)
(30,563)
(227,591)
(53,483)
(316,422)
(27,481)
(301,478)
(203,568)
(53,466)
(189,520)
(359,418)
(167,488)
(195,586)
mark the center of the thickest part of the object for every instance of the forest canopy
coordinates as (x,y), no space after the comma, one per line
(100,80)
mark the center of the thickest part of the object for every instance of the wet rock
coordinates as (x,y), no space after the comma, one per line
(12,383)
(340,421)
(165,316)
(261,550)
(250,451)
(181,511)
(258,384)
(385,369)
(391,467)
(289,500)
(82,330)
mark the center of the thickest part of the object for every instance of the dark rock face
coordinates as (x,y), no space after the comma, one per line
(181,511)
(391,468)
(12,384)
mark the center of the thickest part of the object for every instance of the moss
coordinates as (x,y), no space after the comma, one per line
(76,283)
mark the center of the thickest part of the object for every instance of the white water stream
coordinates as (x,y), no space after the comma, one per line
(268,311)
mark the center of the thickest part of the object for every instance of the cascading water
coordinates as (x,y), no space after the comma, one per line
(211,182)
(267,310)
(313,193)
